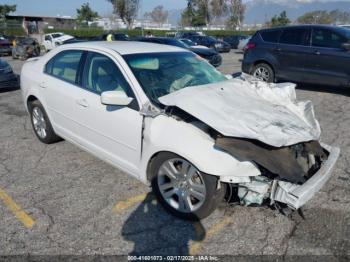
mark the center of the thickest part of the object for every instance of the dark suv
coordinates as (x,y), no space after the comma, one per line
(314,54)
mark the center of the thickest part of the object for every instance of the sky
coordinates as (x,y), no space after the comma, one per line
(68,7)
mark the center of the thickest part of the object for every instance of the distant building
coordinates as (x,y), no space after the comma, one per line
(114,23)
(109,23)
(36,24)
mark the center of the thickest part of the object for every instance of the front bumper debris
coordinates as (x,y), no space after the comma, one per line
(295,196)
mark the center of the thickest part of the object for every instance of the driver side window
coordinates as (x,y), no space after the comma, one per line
(101,74)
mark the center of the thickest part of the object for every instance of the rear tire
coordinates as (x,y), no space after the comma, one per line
(41,124)
(264,72)
(185,192)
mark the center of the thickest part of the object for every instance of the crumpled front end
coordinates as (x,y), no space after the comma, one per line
(295,195)
(266,125)
(291,175)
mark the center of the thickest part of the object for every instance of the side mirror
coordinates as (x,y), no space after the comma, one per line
(115,98)
(346,46)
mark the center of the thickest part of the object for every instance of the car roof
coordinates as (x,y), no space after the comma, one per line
(128,47)
(332,27)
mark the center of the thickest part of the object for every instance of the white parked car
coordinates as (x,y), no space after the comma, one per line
(51,41)
(168,118)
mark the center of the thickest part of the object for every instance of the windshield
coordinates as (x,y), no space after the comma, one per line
(26,41)
(346,33)
(188,42)
(160,74)
(177,43)
(212,39)
(57,35)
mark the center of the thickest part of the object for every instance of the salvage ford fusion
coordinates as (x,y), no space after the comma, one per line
(167,117)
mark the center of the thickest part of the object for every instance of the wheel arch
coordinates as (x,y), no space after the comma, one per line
(30,99)
(264,61)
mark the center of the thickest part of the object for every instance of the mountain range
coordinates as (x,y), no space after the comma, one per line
(260,11)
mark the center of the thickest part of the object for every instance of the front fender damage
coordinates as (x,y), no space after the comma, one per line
(293,164)
(290,175)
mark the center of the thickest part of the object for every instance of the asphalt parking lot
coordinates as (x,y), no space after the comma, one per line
(59,200)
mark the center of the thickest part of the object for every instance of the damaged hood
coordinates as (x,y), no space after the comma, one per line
(248,108)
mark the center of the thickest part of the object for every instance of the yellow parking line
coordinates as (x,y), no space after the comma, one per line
(26,220)
(195,247)
(121,206)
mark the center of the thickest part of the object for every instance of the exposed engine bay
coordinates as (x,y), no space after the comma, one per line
(293,164)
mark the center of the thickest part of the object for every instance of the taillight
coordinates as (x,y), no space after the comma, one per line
(249,46)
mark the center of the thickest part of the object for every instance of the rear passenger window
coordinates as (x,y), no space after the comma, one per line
(327,38)
(271,36)
(65,65)
(295,36)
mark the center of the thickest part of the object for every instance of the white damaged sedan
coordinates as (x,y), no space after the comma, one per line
(167,117)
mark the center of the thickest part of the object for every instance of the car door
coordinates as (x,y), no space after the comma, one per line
(294,44)
(112,131)
(327,63)
(60,90)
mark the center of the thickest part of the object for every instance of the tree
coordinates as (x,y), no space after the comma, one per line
(6,9)
(197,13)
(86,14)
(315,17)
(236,10)
(127,10)
(340,17)
(280,20)
(186,16)
(158,15)
(218,8)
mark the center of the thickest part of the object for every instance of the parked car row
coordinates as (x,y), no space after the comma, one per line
(316,54)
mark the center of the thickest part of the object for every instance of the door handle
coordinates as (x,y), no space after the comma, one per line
(82,103)
(317,52)
(43,85)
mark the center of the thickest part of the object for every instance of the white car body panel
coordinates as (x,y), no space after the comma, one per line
(194,144)
(129,139)
(250,109)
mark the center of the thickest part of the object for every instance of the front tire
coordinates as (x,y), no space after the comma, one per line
(182,189)
(264,72)
(41,123)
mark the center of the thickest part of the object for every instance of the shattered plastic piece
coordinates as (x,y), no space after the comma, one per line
(295,196)
(254,192)
(246,108)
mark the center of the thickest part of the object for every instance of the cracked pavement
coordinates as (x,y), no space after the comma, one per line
(71,194)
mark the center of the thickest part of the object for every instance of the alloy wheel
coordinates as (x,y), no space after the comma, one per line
(262,73)
(181,185)
(39,122)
